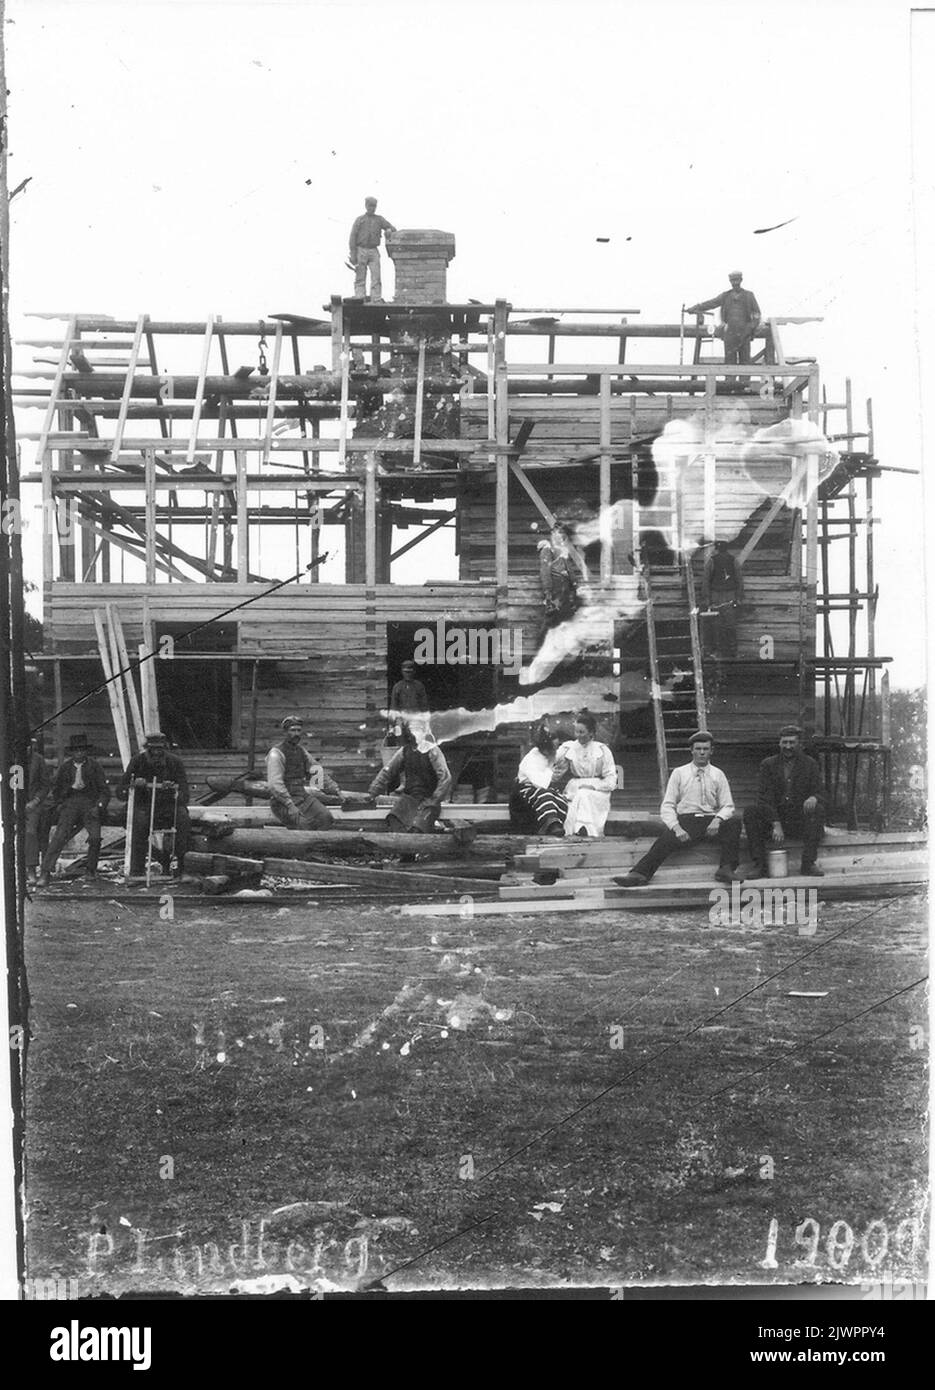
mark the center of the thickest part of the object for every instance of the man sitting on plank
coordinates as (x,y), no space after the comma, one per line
(697,806)
(300,790)
(420,771)
(170,811)
(789,801)
(79,795)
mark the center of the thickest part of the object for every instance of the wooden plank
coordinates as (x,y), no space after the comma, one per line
(271,403)
(200,390)
(54,395)
(243,536)
(604,511)
(117,444)
(113,698)
(420,393)
(370,521)
(414,881)
(113,617)
(149,464)
(684,895)
(502,521)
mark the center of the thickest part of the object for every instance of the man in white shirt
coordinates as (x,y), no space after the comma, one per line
(697,806)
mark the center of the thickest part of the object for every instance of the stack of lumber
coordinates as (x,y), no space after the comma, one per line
(856,865)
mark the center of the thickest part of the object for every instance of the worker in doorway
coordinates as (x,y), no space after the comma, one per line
(38,809)
(722,593)
(79,797)
(155,764)
(300,788)
(420,773)
(740,318)
(366,235)
(789,801)
(408,695)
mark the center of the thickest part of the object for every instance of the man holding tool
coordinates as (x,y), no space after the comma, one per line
(156,786)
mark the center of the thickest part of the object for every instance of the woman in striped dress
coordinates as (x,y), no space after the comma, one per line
(534,799)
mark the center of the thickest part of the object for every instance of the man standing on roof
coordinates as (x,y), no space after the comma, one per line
(740,316)
(366,235)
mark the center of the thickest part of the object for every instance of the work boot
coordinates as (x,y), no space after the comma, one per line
(727,875)
(632,880)
(812,871)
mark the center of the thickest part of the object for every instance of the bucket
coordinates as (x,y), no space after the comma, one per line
(777,863)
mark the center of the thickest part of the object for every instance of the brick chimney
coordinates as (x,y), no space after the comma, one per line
(421,258)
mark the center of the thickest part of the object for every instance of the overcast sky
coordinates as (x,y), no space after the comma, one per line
(189,157)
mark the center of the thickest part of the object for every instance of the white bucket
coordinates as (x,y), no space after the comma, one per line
(777,863)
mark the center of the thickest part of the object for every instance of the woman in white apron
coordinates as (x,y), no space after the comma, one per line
(593,778)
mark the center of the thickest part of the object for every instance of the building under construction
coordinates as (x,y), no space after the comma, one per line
(188,468)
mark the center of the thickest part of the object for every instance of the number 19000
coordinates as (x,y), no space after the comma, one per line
(875,1244)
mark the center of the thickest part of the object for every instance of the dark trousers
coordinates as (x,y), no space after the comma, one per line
(162,820)
(75,813)
(798,824)
(728,838)
(724,601)
(737,348)
(38,829)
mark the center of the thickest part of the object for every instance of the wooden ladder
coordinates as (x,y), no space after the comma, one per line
(676,665)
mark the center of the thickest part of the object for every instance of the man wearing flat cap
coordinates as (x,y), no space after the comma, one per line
(697,806)
(300,788)
(364,250)
(740,318)
(79,799)
(789,801)
(156,764)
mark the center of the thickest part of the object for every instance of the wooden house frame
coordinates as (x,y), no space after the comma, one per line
(467,416)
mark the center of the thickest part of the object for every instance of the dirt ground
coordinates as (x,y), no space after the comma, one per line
(255,1096)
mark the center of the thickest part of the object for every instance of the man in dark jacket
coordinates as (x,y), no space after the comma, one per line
(721,592)
(789,801)
(79,792)
(740,318)
(156,764)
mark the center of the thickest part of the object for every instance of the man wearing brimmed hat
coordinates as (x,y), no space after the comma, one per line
(697,806)
(299,786)
(790,801)
(79,793)
(154,763)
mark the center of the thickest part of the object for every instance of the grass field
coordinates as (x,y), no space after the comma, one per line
(250,1096)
